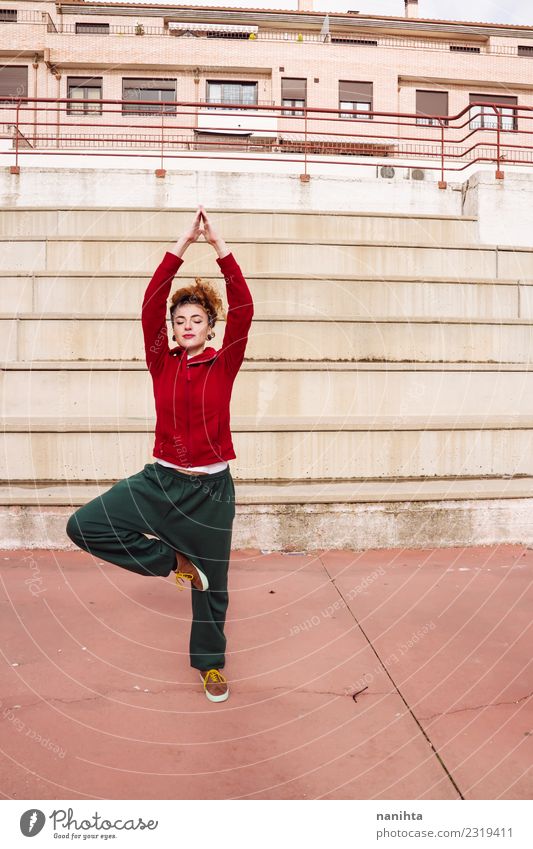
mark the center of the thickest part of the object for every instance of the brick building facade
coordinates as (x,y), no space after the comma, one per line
(183,60)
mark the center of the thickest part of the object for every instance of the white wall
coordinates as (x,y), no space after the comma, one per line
(340,190)
(504,207)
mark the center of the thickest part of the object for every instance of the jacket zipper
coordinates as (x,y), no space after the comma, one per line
(188,404)
(187,381)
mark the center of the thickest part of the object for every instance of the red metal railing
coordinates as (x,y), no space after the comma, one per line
(481,132)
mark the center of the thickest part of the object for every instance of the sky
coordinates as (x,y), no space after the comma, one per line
(490,11)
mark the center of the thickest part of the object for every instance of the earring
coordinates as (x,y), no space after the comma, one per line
(173,338)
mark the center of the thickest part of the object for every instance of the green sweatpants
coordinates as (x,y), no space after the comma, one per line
(192,514)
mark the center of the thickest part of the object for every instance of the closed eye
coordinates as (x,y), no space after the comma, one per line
(196,320)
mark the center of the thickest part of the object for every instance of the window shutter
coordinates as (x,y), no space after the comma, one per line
(81,82)
(494,98)
(431,103)
(293,89)
(163,84)
(14,81)
(355,92)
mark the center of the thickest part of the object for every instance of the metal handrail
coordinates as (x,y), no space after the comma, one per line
(50,25)
(453,145)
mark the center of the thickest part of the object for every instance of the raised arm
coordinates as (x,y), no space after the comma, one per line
(240,314)
(154,311)
(240,302)
(154,307)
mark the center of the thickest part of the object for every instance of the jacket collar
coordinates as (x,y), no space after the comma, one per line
(206,355)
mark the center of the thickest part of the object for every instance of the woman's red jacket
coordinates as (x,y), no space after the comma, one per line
(192,397)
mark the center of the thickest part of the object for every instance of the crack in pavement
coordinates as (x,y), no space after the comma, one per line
(387,672)
(96,696)
(88,698)
(474,707)
(330,692)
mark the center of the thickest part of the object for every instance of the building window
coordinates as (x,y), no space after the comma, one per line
(92,29)
(222,34)
(357,96)
(485,117)
(8,15)
(429,104)
(464,48)
(294,94)
(84,88)
(365,42)
(363,106)
(232,92)
(525,50)
(296,107)
(13,81)
(161,91)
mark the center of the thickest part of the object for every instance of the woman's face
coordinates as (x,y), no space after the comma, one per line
(190,326)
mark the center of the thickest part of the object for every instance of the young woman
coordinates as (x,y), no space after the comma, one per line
(186,498)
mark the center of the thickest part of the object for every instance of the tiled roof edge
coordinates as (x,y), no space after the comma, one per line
(407,22)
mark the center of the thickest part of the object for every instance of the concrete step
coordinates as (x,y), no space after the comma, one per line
(118,389)
(297,296)
(167,224)
(281,449)
(278,256)
(43,496)
(330,338)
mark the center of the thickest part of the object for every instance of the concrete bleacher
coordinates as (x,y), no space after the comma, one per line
(385,398)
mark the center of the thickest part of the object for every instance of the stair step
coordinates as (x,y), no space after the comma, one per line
(328,318)
(137,277)
(270,424)
(165,223)
(158,242)
(345,492)
(120,390)
(299,296)
(280,256)
(272,365)
(329,339)
(87,451)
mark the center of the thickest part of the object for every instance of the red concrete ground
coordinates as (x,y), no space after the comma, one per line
(98,699)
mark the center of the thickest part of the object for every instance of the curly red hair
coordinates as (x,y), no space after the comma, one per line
(202,292)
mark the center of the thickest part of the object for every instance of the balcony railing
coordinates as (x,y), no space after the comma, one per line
(217,106)
(363,40)
(42,126)
(23,16)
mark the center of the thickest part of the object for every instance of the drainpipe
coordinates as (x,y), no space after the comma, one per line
(35,66)
(55,71)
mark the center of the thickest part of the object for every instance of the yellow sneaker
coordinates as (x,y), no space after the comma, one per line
(215,685)
(191,573)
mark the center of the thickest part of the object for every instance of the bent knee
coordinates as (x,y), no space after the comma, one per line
(73,528)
